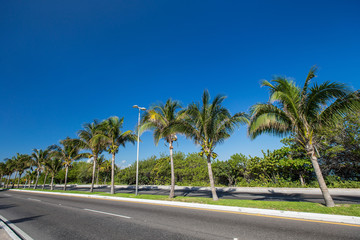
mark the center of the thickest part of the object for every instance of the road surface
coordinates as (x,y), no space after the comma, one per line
(44,216)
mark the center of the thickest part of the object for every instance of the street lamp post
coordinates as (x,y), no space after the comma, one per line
(137,155)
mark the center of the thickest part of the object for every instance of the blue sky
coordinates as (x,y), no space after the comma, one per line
(64,63)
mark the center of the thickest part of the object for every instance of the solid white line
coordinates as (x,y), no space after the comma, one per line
(8,195)
(112,214)
(34,199)
(12,227)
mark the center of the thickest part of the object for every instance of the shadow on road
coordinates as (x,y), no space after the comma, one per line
(25,219)
(6,206)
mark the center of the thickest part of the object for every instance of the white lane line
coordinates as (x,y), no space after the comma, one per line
(112,214)
(34,199)
(8,195)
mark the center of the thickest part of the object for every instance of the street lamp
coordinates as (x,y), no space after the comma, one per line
(137,155)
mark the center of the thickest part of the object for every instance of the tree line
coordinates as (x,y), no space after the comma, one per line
(306,113)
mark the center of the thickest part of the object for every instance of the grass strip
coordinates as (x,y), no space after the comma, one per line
(339,209)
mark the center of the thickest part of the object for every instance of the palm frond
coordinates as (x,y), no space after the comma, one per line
(339,109)
(310,76)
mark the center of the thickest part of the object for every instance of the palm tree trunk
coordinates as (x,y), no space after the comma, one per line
(30,182)
(66,174)
(18,181)
(16,173)
(329,202)
(211,178)
(172,188)
(93,174)
(44,180)
(8,180)
(97,176)
(37,179)
(302,181)
(52,182)
(112,190)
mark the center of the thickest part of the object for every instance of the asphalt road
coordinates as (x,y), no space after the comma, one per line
(265,196)
(44,216)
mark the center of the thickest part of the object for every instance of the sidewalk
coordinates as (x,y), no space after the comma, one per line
(4,235)
(7,233)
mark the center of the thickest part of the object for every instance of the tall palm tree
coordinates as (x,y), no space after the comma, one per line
(114,138)
(164,121)
(23,163)
(100,161)
(210,124)
(106,167)
(30,175)
(2,172)
(90,141)
(16,165)
(39,156)
(54,165)
(69,151)
(303,112)
(9,169)
(46,170)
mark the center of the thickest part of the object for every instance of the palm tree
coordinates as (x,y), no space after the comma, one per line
(303,112)
(53,165)
(2,172)
(90,141)
(16,166)
(210,124)
(106,166)
(30,175)
(23,162)
(46,170)
(100,161)
(68,152)
(9,169)
(164,121)
(114,137)
(39,156)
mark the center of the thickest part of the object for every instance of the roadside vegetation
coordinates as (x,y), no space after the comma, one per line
(320,124)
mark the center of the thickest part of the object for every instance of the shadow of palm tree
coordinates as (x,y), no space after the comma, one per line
(25,219)
(5,206)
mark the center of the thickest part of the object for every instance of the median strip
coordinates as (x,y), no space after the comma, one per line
(112,214)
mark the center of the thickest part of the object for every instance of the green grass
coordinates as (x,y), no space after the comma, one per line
(339,209)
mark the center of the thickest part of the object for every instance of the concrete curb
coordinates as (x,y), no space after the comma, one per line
(253,211)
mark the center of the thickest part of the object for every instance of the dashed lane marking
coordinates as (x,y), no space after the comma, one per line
(112,214)
(33,199)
